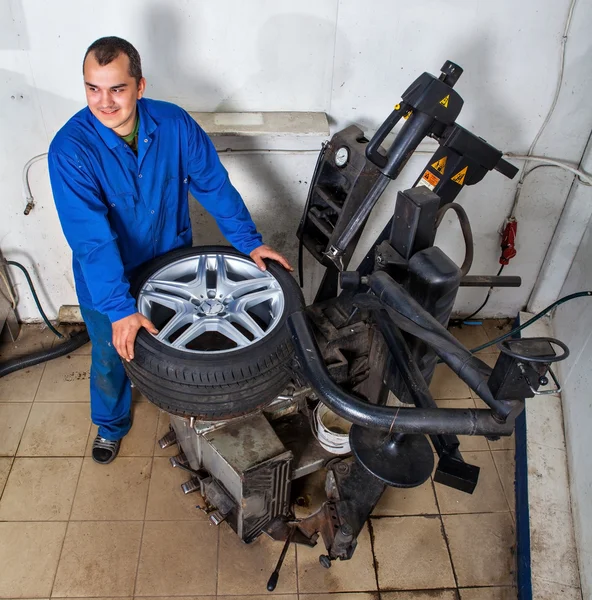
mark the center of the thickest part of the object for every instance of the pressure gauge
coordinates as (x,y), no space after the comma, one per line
(341,156)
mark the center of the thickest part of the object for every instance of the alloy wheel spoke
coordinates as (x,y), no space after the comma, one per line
(178,321)
(250,300)
(179,305)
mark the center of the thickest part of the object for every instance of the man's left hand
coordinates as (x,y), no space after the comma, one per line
(267,252)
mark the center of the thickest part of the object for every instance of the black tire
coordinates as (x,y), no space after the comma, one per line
(216,386)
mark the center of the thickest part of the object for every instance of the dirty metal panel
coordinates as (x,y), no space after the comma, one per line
(246,443)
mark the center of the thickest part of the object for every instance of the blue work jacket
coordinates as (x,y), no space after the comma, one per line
(119,210)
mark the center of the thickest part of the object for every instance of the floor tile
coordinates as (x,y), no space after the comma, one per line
(13,418)
(113,492)
(488,495)
(274,596)
(356,574)
(470,336)
(66,379)
(166,501)
(98,559)
(506,468)
(40,489)
(337,596)
(552,546)
(162,429)
(397,502)
(416,541)
(447,385)
(178,558)
(32,338)
(489,593)
(56,429)
(29,554)
(468,443)
(420,595)
(140,440)
(545,590)
(482,548)
(245,568)
(5,464)
(21,386)
(211,598)
(496,327)
(119,598)
(506,442)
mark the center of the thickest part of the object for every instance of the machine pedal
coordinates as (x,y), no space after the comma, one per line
(167,440)
(179,461)
(216,517)
(191,486)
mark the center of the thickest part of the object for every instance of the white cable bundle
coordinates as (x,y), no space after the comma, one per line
(331,430)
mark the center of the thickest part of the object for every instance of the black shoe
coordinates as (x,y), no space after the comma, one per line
(104,451)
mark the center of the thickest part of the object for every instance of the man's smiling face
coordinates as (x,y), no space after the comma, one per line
(112,93)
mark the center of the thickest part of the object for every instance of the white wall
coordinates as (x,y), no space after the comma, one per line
(349,59)
(573,325)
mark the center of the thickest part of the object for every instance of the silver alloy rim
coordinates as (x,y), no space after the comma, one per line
(212,303)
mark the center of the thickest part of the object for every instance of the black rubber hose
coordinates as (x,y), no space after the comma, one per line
(34,293)
(393,419)
(74,342)
(465,227)
(533,319)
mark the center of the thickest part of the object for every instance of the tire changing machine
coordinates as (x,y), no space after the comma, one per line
(377,329)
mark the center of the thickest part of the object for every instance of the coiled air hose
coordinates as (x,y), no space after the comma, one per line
(74,342)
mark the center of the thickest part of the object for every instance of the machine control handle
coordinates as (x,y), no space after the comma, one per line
(273,580)
(506,348)
(372,149)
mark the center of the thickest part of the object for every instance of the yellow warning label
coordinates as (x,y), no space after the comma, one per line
(440,165)
(444,101)
(460,176)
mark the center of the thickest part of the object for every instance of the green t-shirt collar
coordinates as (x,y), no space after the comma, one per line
(130,137)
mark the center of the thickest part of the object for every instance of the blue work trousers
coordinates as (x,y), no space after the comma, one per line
(110,389)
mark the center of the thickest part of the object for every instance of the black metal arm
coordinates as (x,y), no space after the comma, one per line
(401,420)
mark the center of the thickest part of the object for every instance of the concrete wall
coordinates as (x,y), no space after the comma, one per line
(573,325)
(348,59)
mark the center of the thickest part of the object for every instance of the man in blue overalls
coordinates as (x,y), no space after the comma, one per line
(120,171)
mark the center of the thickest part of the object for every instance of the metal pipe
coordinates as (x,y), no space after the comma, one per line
(413,378)
(491,281)
(409,316)
(341,243)
(393,419)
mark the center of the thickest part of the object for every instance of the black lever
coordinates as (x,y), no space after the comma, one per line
(372,149)
(273,580)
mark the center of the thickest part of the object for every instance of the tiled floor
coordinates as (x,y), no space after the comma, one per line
(71,528)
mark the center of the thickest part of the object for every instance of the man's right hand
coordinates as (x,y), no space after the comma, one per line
(125,331)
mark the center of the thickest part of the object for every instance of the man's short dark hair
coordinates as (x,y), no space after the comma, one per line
(107,49)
